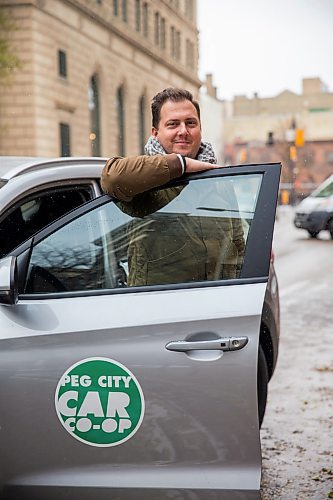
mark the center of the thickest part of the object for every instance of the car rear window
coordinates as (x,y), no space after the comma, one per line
(34,213)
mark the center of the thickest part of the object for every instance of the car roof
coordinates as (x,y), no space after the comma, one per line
(13,166)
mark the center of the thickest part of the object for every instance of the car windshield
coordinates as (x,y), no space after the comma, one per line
(325,191)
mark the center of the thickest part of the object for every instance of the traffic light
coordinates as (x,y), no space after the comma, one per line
(270,139)
(293,153)
(299,138)
(243,155)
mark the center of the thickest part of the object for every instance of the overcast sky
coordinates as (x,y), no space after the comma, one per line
(265,46)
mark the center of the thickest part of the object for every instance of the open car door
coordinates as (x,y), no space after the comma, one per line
(129,362)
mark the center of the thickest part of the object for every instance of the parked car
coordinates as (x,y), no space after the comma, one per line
(145,390)
(315,213)
(36,191)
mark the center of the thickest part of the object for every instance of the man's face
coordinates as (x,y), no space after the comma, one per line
(179,130)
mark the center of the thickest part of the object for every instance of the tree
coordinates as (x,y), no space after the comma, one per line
(8,60)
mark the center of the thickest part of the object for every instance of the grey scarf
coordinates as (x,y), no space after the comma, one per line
(206,153)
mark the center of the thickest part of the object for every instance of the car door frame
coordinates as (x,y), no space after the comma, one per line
(256,265)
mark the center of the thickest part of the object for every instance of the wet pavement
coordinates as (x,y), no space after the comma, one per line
(297,433)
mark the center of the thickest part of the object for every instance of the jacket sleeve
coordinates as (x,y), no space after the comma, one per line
(124,178)
(148,203)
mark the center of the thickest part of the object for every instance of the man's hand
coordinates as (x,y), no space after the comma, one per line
(198,166)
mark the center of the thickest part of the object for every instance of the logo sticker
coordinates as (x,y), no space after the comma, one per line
(99,402)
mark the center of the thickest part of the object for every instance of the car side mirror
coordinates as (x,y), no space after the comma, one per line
(8,281)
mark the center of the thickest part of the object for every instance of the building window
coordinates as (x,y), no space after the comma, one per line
(145,19)
(138,15)
(115,7)
(142,123)
(94,108)
(62,63)
(178,46)
(157,28)
(172,41)
(124,10)
(189,9)
(189,54)
(163,33)
(65,145)
(121,121)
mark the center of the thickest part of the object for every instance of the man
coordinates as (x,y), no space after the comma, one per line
(175,147)
(166,249)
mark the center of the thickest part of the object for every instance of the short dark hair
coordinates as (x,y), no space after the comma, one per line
(170,94)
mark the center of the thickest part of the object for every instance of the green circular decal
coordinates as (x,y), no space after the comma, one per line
(99,402)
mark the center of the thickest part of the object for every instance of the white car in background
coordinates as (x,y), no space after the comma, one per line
(315,213)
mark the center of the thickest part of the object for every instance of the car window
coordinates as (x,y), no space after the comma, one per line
(193,232)
(324,192)
(33,213)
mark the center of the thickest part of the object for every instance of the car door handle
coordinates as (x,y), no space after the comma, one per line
(221,344)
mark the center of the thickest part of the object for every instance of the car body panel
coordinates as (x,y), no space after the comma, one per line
(270,328)
(138,340)
(35,181)
(313,221)
(15,166)
(315,213)
(199,435)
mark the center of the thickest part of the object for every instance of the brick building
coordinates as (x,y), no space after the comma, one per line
(89,70)
(295,129)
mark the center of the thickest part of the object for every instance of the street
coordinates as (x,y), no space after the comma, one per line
(297,432)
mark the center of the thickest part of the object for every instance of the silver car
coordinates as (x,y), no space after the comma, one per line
(36,191)
(117,388)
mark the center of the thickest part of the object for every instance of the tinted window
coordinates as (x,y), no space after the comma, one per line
(190,233)
(35,212)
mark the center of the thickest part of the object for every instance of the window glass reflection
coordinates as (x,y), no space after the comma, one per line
(189,233)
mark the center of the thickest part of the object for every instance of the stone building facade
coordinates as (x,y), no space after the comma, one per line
(292,128)
(89,69)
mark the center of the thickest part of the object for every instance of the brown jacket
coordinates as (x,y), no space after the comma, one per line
(178,248)
(124,178)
